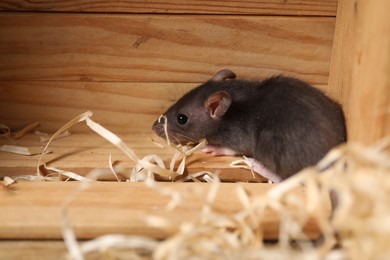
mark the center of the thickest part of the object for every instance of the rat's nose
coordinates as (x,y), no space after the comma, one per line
(158,126)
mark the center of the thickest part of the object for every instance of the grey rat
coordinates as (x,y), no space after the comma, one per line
(283,124)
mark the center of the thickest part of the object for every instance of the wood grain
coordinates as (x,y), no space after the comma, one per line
(83,153)
(30,249)
(268,7)
(33,210)
(162,48)
(120,106)
(362,51)
(370,94)
(340,77)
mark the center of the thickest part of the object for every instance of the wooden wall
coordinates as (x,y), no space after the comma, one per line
(360,68)
(128,61)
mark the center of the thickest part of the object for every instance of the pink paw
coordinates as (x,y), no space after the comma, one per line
(263,171)
(218,151)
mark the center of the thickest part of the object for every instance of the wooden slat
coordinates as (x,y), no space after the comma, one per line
(28,249)
(341,59)
(33,210)
(269,7)
(53,250)
(82,153)
(120,107)
(161,48)
(362,52)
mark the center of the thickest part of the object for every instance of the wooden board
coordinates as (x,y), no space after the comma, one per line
(121,107)
(361,68)
(339,76)
(269,7)
(161,48)
(117,208)
(82,153)
(28,249)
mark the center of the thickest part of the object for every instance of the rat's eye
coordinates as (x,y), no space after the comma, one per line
(181,119)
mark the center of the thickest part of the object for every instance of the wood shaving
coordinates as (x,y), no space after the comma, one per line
(5,131)
(8,181)
(110,164)
(29,151)
(71,123)
(243,164)
(62,135)
(359,224)
(358,176)
(143,167)
(40,133)
(26,130)
(68,174)
(118,241)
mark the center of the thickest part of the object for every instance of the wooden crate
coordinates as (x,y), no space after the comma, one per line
(127,62)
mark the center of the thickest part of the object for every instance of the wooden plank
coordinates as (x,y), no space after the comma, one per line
(268,7)
(33,210)
(28,249)
(120,107)
(364,83)
(161,48)
(342,55)
(53,250)
(82,153)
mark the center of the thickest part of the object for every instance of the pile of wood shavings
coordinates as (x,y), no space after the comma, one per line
(144,168)
(359,227)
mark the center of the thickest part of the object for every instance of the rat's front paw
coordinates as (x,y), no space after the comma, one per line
(218,151)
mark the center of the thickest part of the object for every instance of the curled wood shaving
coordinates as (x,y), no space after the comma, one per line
(71,123)
(5,131)
(8,181)
(112,138)
(112,168)
(194,176)
(243,164)
(165,128)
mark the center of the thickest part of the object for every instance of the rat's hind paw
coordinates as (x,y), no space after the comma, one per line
(259,168)
(218,151)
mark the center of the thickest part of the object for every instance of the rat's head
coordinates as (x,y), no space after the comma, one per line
(197,114)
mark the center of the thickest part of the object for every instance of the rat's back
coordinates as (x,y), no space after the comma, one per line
(297,125)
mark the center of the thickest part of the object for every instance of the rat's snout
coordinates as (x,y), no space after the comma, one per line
(158,127)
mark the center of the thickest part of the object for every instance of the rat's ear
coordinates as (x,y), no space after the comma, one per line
(218,103)
(223,75)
